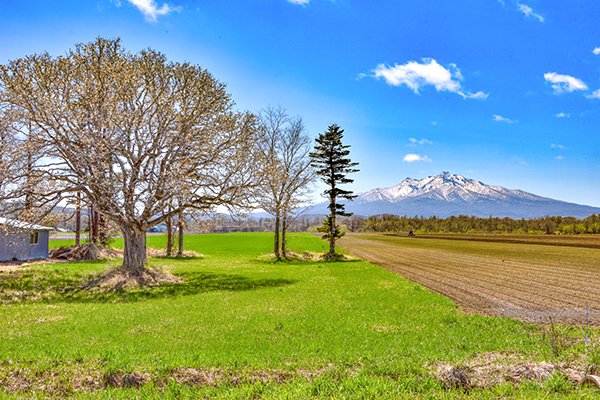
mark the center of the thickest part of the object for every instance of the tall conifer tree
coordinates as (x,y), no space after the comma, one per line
(331,162)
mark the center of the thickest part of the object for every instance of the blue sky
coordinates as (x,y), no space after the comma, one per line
(506,92)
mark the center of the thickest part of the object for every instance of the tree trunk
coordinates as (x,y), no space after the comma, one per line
(169,224)
(283,235)
(134,257)
(102,230)
(276,239)
(332,232)
(92,226)
(78,220)
(180,224)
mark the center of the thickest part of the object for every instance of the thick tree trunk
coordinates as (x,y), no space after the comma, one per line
(134,257)
(180,223)
(78,220)
(283,235)
(276,239)
(169,224)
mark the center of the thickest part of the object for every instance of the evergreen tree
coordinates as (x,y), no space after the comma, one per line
(331,162)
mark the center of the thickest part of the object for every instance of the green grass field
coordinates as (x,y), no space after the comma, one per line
(355,329)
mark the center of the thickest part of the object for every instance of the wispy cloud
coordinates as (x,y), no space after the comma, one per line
(151,10)
(564,83)
(528,12)
(596,51)
(421,142)
(413,157)
(559,147)
(415,75)
(500,118)
(299,2)
(594,95)
(562,115)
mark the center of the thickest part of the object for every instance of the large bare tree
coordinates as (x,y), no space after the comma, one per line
(130,132)
(285,149)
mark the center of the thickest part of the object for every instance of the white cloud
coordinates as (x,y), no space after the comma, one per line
(299,2)
(423,141)
(596,51)
(416,75)
(151,9)
(555,146)
(564,83)
(500,118)
(562,115)
(560,158)
(528,12)
(477,95)
(412,157)
(594,95)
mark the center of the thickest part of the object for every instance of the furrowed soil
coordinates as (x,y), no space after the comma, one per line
(588,241)
(548,280)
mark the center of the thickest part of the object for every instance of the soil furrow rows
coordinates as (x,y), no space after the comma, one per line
(528,289)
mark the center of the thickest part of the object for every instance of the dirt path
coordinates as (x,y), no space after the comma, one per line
(529,282)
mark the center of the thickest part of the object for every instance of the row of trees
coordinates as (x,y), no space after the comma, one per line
(469,224)
(141,140)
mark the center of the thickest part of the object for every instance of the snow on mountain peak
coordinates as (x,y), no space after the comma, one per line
(449,194)
(445,186)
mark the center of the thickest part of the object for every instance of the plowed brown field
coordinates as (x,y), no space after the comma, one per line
(531,282)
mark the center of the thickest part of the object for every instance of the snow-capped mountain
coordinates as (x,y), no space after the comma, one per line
(449,194)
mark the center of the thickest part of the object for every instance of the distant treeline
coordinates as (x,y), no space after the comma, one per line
(468,224)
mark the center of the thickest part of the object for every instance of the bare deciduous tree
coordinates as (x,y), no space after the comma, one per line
(130,132)
(18,179)
(288,173)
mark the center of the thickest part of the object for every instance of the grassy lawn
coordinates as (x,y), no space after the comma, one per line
(357,330)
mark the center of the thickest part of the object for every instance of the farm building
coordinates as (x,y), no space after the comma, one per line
(22,241)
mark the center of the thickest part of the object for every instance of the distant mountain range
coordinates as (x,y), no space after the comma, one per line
(449,194)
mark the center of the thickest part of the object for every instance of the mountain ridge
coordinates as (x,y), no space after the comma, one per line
(448,194)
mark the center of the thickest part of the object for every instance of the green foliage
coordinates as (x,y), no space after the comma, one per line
(470,224)
(327,231)
(331,162)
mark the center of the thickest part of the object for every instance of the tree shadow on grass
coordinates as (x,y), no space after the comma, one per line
(305,259)
(59,286)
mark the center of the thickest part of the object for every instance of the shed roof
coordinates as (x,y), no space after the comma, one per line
(13,223)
